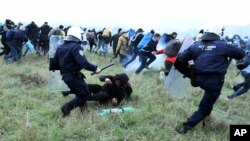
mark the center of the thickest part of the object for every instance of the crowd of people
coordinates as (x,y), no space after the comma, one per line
(210,53)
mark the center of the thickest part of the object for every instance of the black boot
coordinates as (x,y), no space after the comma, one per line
(65,110)
(166,73)
(235,88)
(184,128)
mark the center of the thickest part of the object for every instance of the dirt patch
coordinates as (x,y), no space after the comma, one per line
(32,80)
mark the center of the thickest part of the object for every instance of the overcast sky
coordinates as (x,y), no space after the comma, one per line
(131,13)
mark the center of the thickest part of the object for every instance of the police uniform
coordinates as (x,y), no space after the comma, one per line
(70,59)
(210,69)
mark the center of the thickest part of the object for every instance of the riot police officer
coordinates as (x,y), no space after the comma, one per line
(211,62)
(70,60)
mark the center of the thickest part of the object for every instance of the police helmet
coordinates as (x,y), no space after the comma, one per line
(210,36)
(74,34)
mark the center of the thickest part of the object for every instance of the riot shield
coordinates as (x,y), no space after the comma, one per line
(55,82)
(175,84)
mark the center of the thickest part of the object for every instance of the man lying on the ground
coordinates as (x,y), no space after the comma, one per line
(116,88)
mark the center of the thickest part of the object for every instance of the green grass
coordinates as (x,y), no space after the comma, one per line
(28,112)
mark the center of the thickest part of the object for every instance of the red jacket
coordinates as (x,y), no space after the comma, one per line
(167,58)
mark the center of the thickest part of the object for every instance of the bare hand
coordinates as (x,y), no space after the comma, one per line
(108,81)
(98,70)
(114,101)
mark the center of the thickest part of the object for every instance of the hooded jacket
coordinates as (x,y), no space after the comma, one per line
(113,90)
(122,44)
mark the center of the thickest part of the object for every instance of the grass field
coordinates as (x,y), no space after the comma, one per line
(28,112)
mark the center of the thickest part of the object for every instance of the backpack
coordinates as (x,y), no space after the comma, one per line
(105,33)
(145,40)
(172,48)
(244,62)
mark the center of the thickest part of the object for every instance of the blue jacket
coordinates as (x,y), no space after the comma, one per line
(15,38)
(69,57)
(214,61)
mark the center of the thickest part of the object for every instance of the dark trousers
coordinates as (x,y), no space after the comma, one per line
(98,46)
(123,59)
(97,93)
(114,49)
(168,66)
(91,44)
(34,41)
(212,92)
(44,44)
(135,54)
(144,61)
(130,49)
(15,54)
(81,91)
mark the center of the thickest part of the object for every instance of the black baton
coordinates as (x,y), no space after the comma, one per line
(109,65)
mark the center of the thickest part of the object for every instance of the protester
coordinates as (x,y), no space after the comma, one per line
(114,40)
(44,38)
(121,47)
(134,43)
(15,39)
(146,53)
(115,89)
